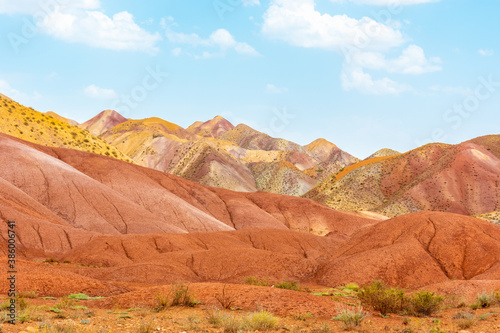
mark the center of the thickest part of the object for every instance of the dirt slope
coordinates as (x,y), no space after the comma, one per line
(416,250)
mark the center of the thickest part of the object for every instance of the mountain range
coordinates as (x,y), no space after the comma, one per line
(141,203)
(462,179)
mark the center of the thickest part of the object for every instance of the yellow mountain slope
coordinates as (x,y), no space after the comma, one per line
(30,125)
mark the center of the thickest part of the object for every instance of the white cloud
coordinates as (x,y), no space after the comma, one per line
(486,52)
(83,21)
(273,89)
(218,42)
(94,91)
(248,3)
(357,79)
(411,61)
(363,43)
(96,29)
(300,24)
(389,2)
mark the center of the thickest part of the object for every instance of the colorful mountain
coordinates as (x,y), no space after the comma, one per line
(50,130)
(103,122)
(461,179)
(212,128)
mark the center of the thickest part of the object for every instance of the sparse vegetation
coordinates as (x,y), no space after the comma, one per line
(382,298)
(256,281)
(290,285)
(255,321)
(178,295)
(394,300)
(79,297)
(261,321)
(350,318)
(484,300)
(464,319)
(225,298)
(423,303)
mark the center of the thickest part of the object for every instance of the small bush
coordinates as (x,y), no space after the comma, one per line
(394,300)
(28,294)
(162,303)
(260,321)
(65,303)
(178,295)
(225,299)
(484,300)
(214,315)
(182,296)
(288,285)
(51,261)
(256,321)
(22,304)
(5,305)
(350,318)
(424,303)
(352,286)
(220,319)
(382,298)
(464,319)
(80,296)
(255,281)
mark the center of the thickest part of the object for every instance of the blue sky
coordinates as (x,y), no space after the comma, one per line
(364,74)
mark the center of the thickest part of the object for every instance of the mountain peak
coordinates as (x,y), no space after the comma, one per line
(103,122)
(320,143)
(214,127)
(384,152)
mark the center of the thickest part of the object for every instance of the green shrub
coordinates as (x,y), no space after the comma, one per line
(220,319)
(80,296)
(351,318)
(22,304)
(255,281)
(28,294)
(484,300)
(256,321)
(394,300)
(382,298)
(352,286)
(182,296)
(162,303)
(178,295)
(288,285)
(424,303)
(260,321)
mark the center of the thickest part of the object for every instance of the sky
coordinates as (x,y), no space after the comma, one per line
(363,74)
